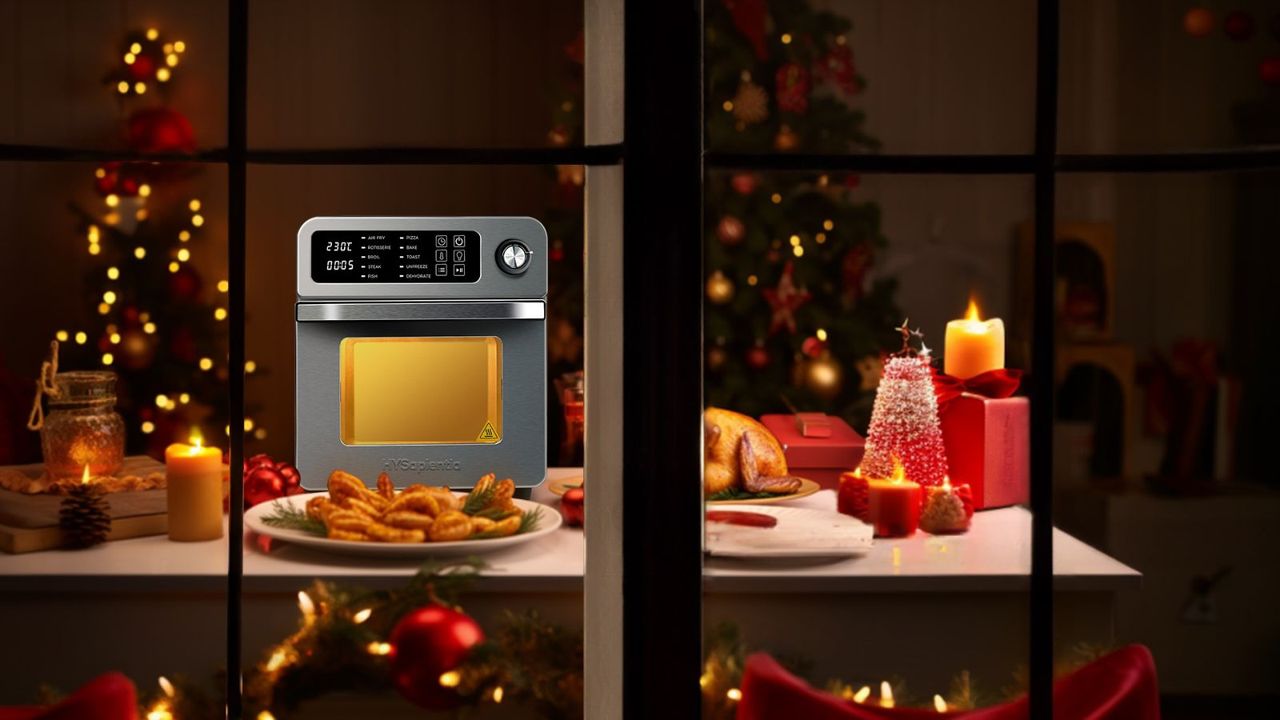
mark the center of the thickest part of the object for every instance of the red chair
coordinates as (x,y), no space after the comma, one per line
(1120,686)
(106,697)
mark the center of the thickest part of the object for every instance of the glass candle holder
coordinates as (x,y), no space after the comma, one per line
(82,426)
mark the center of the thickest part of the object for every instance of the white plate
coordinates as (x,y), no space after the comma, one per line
(800,533)
(548,523)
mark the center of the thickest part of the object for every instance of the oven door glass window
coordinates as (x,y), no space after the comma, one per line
(421,390)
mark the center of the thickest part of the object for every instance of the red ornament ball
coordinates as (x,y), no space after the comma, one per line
(1269,70)
(262,484)
(160,130)
(792,91)
(185,284)
(813,347)
(427,643)
(142,68)
(1238,25)
(1198,22)
(730,230)
(744,183)
(573,507)
(556,253)
(758,357)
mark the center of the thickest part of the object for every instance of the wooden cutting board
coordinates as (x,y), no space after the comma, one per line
(29,523)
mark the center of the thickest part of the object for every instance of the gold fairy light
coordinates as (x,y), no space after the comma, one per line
(361,615)
(152,34)
(82,337)
(863,693)
(206,364)
(734,694)
(382,648)
(450,679)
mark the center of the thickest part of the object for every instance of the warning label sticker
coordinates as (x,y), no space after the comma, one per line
(487,433)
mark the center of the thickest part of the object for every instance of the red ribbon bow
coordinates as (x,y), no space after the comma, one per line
(993,384)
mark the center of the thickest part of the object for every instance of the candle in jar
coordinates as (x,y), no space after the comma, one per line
(973,345)
(194,474)
(945,510)
(893,504)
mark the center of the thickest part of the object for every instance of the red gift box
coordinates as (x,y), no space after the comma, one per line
(988,446)
(820,459)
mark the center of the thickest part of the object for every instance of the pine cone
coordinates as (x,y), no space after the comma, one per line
(83,516)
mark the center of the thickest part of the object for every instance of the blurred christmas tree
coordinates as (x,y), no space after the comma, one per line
(160,325)
(791,312)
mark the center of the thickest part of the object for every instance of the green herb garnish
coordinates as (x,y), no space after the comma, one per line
(736,494)
(287,516)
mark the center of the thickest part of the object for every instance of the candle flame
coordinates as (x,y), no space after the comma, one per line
(972,313)
(84,479)
(307,606)
(886,694)
(857,472)
(166,686)
(939,704)
(862,695)
(899,472)
(197,442)
(946,482)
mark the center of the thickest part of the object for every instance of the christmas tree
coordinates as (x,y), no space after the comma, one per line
(904,421)
(156,321)
(791,312)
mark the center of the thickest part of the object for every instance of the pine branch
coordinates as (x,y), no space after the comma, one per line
(289,517)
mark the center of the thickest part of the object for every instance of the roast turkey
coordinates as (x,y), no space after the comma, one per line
(742,454)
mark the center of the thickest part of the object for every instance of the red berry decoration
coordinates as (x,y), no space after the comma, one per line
(573,507)
(142,67)
(744,183)
(266,480)
(185,284)
(730,230)
(1198,22)
(427,643)
(758,357)
(1269,70)
(792,88)
(1238,25)
(160,130)
(813,347)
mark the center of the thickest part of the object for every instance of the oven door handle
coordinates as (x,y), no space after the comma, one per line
(345,312)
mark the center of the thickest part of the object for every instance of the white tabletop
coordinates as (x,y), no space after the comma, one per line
(994,556)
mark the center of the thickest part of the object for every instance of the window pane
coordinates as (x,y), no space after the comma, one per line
(867,75)
(1163,421)
(809,277)
(406,73)
(1151,76)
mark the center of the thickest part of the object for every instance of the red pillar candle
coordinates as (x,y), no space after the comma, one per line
(894,504)
(853,495)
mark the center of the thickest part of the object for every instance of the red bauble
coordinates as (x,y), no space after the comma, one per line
(730,230)
(185,284)
(836,67)
(792,91)
(813,347)
(573,507)
(1198,22)
(257,461)
(427,643)
(750,18)
(556,253)
(1238,25)
(142,68)
(262,484)
(758,357)
(1269,70)
(160,130)
(744,183)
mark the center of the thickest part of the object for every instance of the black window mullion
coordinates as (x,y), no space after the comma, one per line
(237,141)
(1040,687)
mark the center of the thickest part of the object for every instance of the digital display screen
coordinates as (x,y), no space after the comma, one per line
(414,256)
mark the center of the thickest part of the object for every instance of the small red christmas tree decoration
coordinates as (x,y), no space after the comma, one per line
(904,418)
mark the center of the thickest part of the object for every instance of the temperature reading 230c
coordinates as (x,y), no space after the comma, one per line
(336,246)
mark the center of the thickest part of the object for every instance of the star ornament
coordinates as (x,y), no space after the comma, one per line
(784,300)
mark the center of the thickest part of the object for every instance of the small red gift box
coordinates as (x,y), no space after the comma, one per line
(816,456)
(989,447)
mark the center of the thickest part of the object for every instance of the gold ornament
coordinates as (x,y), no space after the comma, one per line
(751,104)
(719,288)
(823,376)
(716,358)
(786,139)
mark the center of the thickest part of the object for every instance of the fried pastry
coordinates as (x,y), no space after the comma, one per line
(450,525)
(386,533)
(386,488)
(407,520)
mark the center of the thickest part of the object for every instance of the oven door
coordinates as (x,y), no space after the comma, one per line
(438,393)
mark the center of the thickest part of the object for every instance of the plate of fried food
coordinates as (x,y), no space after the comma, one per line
(417,521)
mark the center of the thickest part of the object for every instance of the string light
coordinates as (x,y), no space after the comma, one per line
(112,200)
(184,236)
(306,605)
(939,704)
(144,190)
(174,266)
(122,87)
(100,173)
(162,401)
(166,686)
(248,424)
(139,252)
(148,427)
(250,366)
(266,715)
(260,433)
(113,273)
(140,87)
(382,648)
(194,205)
(61,335)
(450,679)
(171,60)
(734,694)
(82,338)
(223,286)
(862,694)
(149,328)
(184,398)
(498,694)
(776,198)
(886,694)
(206,364)
(795,240)
(184,255)
(820,238)
(108,358)
(163,74)
(179,46)
(220,314)
(786,38)
(115,338)
(152,34)
(728,106)
(95,248)
(109,297)
(135,48)
(129,58)
(277,660)
(797,251)
(828,225)
(752,280)
(821,334)
(197,220)
(362,615)
(103,308)
(95,234)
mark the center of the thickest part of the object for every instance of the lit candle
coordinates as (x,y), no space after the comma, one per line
(893,504)
(973,346)
(194,473)
(945,510)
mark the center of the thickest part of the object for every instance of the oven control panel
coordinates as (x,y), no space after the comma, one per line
(366,256)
